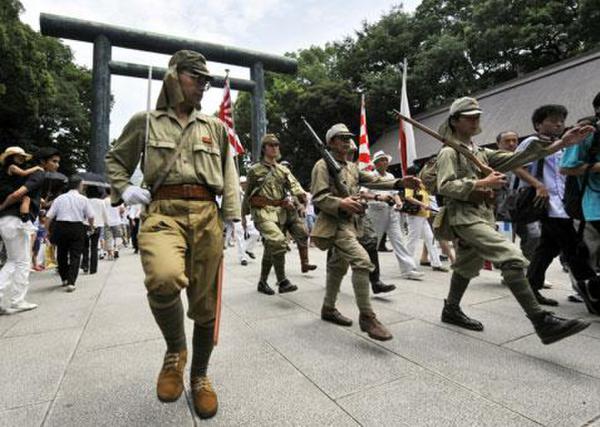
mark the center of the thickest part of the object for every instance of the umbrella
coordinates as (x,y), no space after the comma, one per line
(94,179)
(54,183)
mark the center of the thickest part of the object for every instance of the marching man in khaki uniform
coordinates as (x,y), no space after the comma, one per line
(266,198)
(338,228)
(186,162)
(468,218)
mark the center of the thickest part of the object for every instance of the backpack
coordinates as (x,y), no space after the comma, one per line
(574,188)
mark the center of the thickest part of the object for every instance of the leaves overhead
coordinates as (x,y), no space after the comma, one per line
(45,99)
(454,48)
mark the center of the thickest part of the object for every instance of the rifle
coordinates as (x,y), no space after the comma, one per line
(484,169)
(333,166)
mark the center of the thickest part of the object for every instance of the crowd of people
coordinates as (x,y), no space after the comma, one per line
(64,226)
(195,208)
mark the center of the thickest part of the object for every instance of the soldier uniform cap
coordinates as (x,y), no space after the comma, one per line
(465,106)
(339,129)
(269,138)
(191,62)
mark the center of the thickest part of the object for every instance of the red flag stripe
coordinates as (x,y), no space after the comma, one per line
(226,116)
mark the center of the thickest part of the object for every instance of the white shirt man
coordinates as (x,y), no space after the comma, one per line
(386,219)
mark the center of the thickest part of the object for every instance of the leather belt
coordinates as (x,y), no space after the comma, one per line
(184,192)
(261,202)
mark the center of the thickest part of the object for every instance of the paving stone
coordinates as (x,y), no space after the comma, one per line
(51,316)
(267,390)
(252,305)
(24,416)
(116,387)
(543,391)
(32,366)
(424,399)
(579,352)
(333,357)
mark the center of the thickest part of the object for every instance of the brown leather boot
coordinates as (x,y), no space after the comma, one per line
(306,267)
(205,398)
(170,379)
(332,315)
(369,324)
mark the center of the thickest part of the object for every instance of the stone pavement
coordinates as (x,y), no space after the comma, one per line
(91,358)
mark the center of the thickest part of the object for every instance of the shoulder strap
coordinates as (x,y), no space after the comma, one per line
(168,167)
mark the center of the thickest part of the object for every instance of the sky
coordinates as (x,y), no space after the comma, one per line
(269,26)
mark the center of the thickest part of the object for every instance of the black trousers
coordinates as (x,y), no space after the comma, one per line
(135,228)
(89,260)
(558,235)
(69,238)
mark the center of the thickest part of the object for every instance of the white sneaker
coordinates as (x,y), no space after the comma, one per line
(70,288)
(6,311)
(23,306)
(412,275)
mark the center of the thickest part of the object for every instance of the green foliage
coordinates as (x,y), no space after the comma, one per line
(453,47)
(45,99)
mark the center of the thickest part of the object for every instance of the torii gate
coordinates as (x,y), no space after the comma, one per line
(105,36)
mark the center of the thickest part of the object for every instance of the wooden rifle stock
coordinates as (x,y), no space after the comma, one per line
(485,169)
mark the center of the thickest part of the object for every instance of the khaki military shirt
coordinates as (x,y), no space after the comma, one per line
(327,197)
(206,158)
(273,182)
(456,177)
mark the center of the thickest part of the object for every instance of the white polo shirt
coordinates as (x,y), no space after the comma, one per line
(71,207)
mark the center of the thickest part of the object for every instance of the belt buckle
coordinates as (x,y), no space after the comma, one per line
(187,191)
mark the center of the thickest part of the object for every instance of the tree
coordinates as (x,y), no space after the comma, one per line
(45,99)
(454,48)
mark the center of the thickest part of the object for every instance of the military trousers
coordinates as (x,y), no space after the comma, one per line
(481,241)
(181,247)
(346,251)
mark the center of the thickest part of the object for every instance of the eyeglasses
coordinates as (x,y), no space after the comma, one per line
(200,80)
(344,137)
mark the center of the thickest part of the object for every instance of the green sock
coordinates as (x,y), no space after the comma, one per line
(203,345)
(362,286)
(279,265)
(168,313)
(458,286)
(519,286)
(332,288)
(266,264)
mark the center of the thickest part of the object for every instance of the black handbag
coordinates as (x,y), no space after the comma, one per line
(522,205)
(410,208)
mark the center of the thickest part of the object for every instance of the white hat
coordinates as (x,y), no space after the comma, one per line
(380,155)
(243,179)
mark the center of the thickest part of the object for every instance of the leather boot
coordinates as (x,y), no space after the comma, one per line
(373,327)
(329,314)
(589,291)
(551,328)
(263,287)
(379,287)
(454,315)
(204,397)
(542,300)
(286,286)
(306,267)
(170,379)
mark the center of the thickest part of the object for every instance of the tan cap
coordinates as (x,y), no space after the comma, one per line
(12,151)
(269,138)
(381,155)
(191,62)
(339,129)
(465,106)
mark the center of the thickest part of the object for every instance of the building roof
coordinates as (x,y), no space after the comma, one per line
(508,106)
